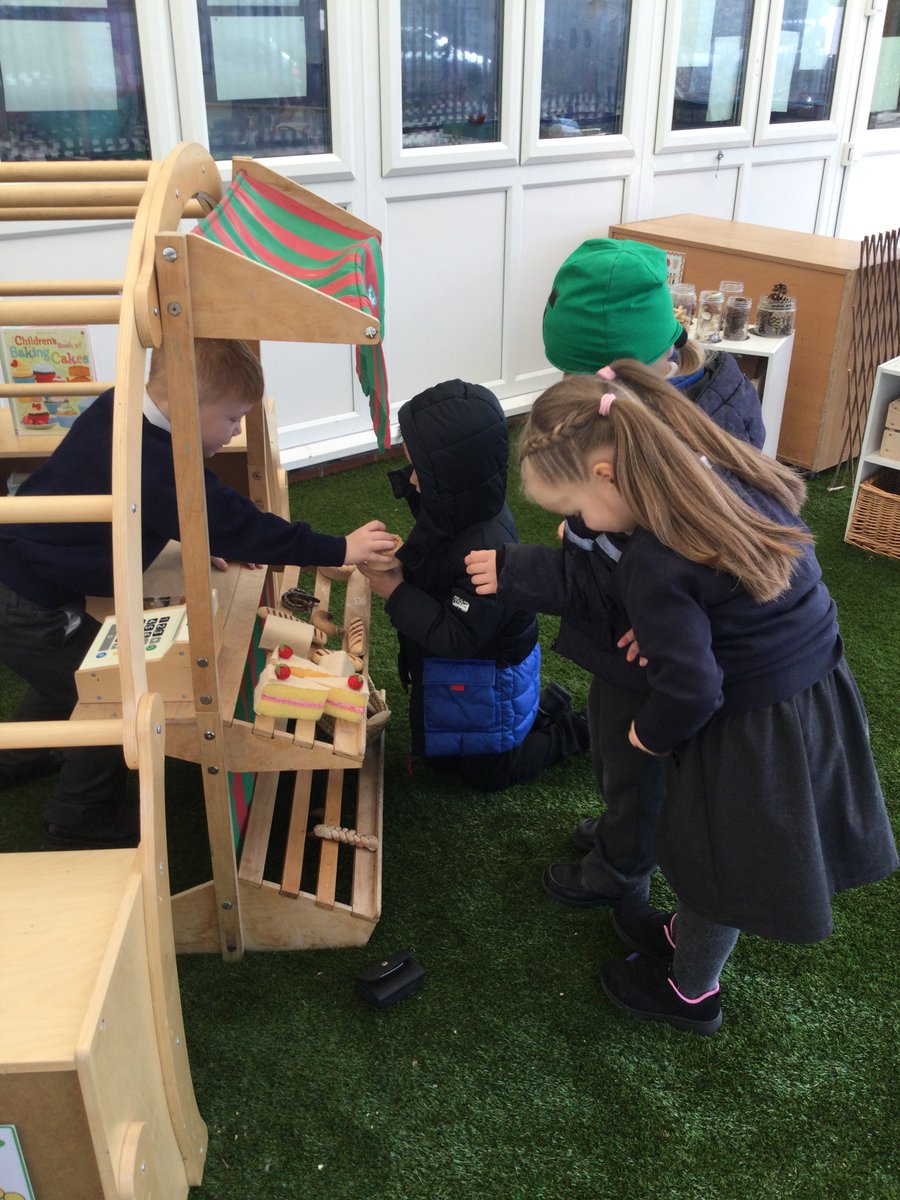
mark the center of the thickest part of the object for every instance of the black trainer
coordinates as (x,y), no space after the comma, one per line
(644,987)
(645,928)
(565,883)
(583,834)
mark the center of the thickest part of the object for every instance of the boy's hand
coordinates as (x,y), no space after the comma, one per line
(482,568)
(383,583)
(370,541)
(634,651)
(221,564)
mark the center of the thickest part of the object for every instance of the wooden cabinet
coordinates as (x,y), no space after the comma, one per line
(821,272)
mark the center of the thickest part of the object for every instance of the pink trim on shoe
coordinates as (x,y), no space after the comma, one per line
(669,930)
(688,999)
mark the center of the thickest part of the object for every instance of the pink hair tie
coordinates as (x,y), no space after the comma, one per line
(606,403)
(607,373)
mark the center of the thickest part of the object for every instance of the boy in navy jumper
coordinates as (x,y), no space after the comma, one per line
(47,570)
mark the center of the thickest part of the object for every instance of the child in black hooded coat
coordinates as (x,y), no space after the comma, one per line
(471,665)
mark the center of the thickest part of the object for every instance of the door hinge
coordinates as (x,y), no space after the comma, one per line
(849,154)
(874,6)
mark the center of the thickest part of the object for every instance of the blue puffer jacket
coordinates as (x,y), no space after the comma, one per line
(474,706)
(472,664)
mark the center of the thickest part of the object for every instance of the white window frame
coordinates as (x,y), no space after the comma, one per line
(866,141)
(769,134)
(669,140)
(188,62)
(399,160)
(536,149)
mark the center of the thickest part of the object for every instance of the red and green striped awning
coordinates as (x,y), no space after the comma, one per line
(262,223)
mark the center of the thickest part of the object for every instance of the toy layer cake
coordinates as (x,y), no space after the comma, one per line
(302,690)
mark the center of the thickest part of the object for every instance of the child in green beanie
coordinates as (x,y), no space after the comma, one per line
(610,300)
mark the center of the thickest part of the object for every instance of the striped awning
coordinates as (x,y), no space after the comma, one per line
(263,224)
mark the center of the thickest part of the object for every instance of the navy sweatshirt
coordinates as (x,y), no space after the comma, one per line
(57,564)
(728,397)
(709,644)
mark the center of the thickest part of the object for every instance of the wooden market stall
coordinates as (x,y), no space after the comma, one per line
(178,287)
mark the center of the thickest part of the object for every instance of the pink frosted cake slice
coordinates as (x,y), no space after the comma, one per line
(347,699)
(293,697)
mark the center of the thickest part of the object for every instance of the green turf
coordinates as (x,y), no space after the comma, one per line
(509,1075)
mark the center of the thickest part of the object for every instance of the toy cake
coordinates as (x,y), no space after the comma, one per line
(302,690)
(279,693)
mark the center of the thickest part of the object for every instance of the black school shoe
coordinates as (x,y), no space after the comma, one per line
(554,702)
(93,836)
(38,767)
(645,928)
(565,883)
(644,988)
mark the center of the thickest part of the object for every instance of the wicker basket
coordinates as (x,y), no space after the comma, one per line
(875,522)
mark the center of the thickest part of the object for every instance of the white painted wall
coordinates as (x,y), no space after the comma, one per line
(472,239)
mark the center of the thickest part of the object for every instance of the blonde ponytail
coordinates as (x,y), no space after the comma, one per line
(663,449)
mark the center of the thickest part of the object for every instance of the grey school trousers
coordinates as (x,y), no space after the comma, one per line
(34,644)
(633,787)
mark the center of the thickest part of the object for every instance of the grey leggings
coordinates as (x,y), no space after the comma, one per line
(701,951)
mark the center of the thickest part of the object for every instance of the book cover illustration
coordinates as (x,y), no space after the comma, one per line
(14,1181)
(53,354)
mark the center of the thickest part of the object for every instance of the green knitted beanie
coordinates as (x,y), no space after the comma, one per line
(609,301)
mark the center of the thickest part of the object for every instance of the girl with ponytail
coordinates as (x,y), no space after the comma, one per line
(772,803)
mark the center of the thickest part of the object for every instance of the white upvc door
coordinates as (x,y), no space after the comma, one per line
(735,136)
(867,199)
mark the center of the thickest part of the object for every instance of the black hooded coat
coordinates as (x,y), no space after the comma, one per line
(455,435)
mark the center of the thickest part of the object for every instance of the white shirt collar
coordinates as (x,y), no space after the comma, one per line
(154,416)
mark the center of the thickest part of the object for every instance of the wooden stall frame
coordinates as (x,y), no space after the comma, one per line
(179,287)
(98,923)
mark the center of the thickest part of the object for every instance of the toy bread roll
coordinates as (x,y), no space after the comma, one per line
(278,631)
(322,619)
(356,636)
(388,566)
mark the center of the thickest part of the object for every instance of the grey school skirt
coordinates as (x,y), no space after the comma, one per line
(770,812)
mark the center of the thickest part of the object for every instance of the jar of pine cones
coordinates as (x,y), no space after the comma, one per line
(776,312)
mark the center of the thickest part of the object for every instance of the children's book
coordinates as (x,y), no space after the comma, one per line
(37,354)
(14,1181)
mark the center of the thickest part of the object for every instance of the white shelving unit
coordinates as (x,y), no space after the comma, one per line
(775,355)
(886,388)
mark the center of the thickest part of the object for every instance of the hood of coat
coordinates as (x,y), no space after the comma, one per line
(455,436)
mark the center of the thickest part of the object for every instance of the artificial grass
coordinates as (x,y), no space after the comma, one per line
(509,1074)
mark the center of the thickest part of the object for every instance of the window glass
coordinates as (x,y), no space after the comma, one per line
(712,63)
(885,112)
(807,58)
(450,56)
(265,74)
(70,81)
(583,69)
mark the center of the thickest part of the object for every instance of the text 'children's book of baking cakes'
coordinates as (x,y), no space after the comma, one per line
(53,354)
